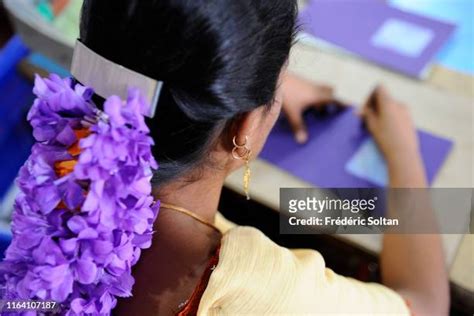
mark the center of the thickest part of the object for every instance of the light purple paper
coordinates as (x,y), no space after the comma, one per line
(333,141)
(357,26)
(368,163)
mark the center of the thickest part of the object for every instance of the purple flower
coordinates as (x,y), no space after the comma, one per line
(77,235)
(86,270)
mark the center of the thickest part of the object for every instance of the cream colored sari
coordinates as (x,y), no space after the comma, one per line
(255,276)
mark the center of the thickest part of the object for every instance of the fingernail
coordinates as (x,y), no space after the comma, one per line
(301,137)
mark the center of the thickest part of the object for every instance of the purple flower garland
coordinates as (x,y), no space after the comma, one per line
(76,235)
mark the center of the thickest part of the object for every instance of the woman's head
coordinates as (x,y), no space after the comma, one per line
(220,61)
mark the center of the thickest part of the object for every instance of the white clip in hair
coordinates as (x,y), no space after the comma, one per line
(108,78)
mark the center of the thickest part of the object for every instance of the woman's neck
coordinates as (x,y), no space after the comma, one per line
(200,197)
(169,271)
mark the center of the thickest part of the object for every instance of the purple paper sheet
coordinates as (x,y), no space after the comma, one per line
(333,140)
(353,24)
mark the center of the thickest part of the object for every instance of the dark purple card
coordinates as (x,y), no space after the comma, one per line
(333,140)
(388,36)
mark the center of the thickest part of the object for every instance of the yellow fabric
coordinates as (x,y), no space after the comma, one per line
(222,223)
(255,276)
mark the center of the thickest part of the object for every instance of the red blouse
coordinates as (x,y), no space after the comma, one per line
(192,304)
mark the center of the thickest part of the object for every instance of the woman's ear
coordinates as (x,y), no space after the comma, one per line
(247,129)
(256,124)
(250,130)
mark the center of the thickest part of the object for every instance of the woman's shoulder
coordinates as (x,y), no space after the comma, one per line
(256,276)
(250,245)
(247,244)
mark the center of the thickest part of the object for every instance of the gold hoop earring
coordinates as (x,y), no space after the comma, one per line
(234,141)
(246,157)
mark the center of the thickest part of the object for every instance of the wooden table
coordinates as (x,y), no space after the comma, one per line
(442,104)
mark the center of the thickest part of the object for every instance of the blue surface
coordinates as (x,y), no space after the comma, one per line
(458,53)
(10,54)
(15,91)
(5,240)
(15,133)
(15,150)
(47,64)
(15,99)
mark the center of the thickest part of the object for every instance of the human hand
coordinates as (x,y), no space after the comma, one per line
(390,123)
(299,95)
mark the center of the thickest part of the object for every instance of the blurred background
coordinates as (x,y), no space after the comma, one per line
(422,50)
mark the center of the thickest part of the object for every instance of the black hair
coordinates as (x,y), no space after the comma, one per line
(217,59)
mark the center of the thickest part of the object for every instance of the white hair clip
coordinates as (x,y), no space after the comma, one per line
(108,78)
